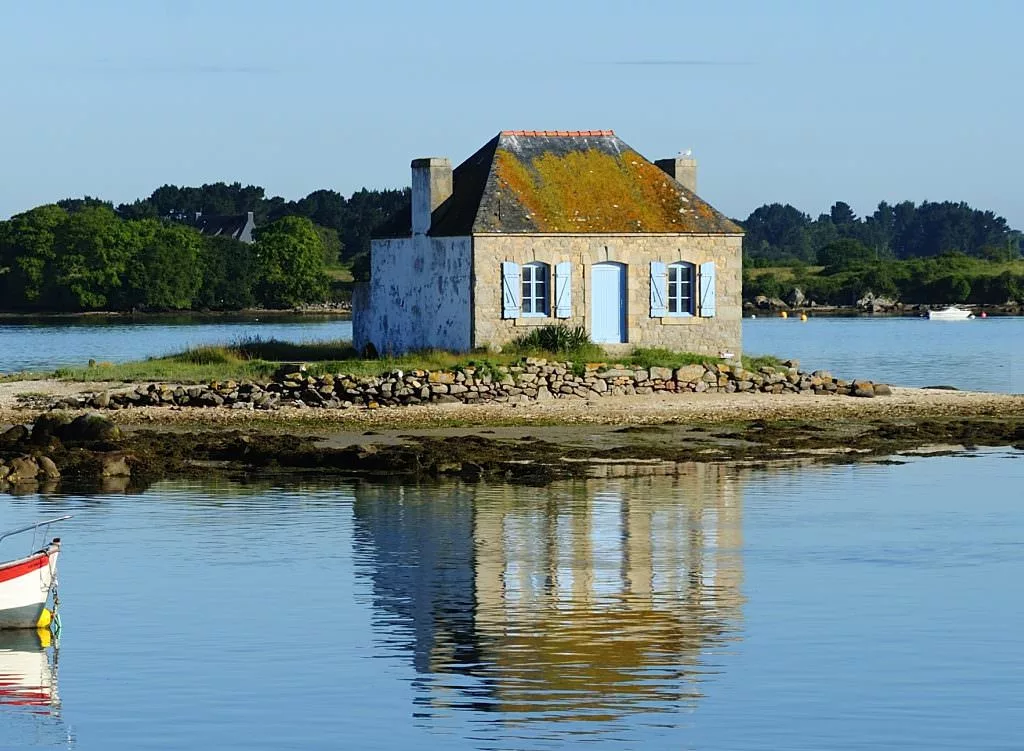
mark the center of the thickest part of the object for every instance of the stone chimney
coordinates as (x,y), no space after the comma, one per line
(683,168)
(431,185)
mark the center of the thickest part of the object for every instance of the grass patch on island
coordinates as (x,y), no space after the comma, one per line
(260,359)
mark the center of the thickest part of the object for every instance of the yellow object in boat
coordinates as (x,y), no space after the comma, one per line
(45,619)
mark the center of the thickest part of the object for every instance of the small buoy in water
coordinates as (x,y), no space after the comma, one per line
(45,619)
(984,314)
(785,314)
(753,315)
(803,316)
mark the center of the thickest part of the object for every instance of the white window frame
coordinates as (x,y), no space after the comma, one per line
(681,278)
(535,290)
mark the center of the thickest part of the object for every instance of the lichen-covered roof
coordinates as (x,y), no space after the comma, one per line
(578,182)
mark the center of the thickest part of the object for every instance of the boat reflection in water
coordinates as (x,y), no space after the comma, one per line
(28,673)
(581,601)
(29,704)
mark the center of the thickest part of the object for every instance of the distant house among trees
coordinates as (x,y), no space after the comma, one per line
(238,227)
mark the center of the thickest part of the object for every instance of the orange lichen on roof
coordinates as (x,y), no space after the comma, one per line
(589,190)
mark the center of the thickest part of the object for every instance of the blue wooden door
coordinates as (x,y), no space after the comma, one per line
(608,303)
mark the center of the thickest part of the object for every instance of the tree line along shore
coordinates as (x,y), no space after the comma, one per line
(81,255)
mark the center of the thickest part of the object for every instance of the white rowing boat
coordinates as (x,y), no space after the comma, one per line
(26,583)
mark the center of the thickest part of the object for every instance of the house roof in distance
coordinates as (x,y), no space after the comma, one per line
(239,226)
(568,181)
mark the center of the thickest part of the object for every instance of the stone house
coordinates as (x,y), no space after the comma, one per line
(549,227)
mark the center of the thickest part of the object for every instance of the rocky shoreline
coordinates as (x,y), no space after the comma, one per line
(90,453)
(867,305)
(532,380)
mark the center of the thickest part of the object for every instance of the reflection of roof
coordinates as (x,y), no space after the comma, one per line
(239,226)
(565,182)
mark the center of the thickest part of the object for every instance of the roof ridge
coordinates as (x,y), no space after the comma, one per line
(556,133)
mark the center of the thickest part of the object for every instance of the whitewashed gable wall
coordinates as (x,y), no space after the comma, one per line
(418,295)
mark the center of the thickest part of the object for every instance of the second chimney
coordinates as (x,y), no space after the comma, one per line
(683,168)
(431,185)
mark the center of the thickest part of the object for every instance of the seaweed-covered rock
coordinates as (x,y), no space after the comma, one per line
(47,468)
(48,426)
(23,468)
(89,427)
(14,436)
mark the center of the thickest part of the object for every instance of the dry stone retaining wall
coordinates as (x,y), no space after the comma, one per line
(532,379)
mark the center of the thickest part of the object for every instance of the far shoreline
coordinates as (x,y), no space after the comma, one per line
(247,314)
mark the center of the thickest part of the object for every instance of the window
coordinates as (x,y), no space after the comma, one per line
(681,286)
(535,289)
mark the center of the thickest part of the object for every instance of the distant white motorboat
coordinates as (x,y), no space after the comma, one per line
(952,313)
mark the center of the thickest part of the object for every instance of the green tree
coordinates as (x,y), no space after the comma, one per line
(844,253)
(27,250)
(228,274)
(165,273)
(93,249)
(841,214)
(331,242)
(290,264)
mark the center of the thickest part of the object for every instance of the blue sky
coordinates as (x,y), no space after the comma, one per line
(805,102)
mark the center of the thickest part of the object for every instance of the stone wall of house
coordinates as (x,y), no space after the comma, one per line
(693,334)
(418,296)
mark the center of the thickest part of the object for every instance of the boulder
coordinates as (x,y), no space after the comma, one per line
(689,373)
(14,436)
(661,374)
(48,426)
(47,468)
(101,401)
(882,389)
(23,468)
(864,389)
(114,464)
(89,427)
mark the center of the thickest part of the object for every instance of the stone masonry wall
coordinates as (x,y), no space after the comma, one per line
(707,336)
(532,379)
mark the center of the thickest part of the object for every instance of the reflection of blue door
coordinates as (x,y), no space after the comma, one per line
(608,303)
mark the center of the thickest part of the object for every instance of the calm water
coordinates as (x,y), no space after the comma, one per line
(833,607)
(985,355)
(45,345)
(980,354)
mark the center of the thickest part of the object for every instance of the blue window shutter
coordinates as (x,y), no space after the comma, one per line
(707,290)
(563,290)
(509,289)
(658,289)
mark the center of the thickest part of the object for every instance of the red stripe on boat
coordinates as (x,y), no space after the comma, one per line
(25,567)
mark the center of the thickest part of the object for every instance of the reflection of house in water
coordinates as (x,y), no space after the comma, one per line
(581,600)
(420,547)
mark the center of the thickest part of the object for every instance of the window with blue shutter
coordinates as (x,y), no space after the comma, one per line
(563,290)
(682,289)
(658,291)
(536,299)
(509,289)
(707,290)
